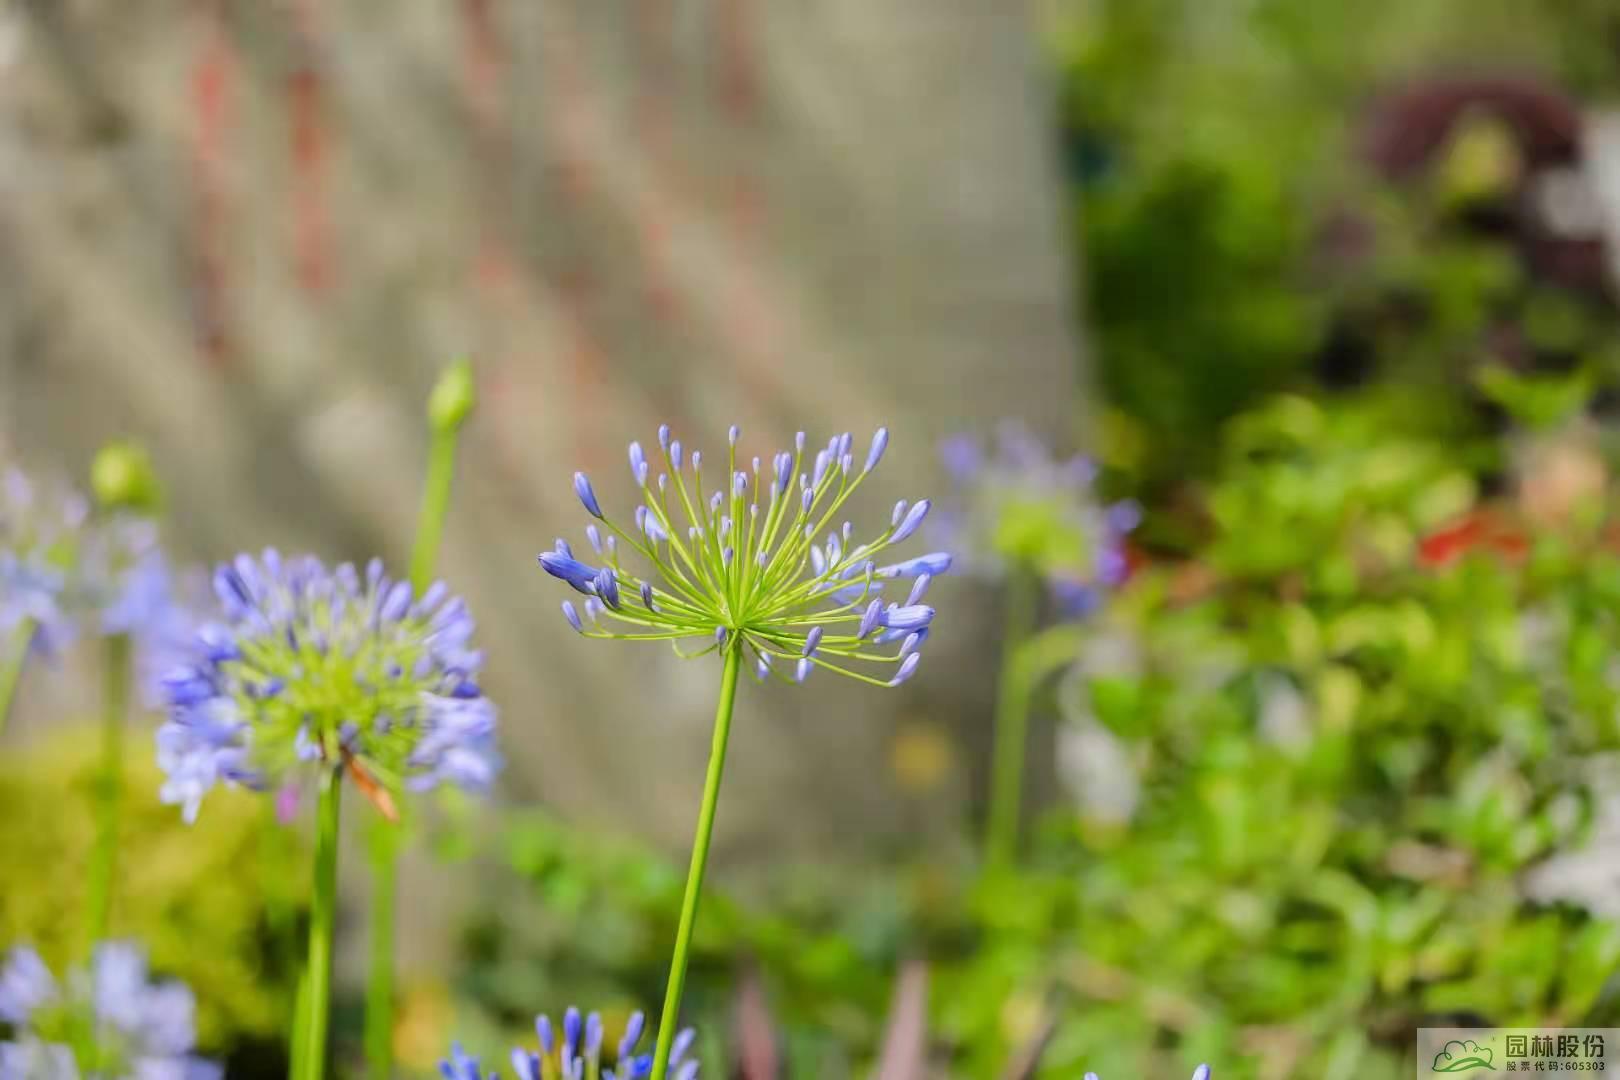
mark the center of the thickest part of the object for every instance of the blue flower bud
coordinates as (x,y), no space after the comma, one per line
(762,667)
(899,512)
(647,596)
(823,462)
(784,472)
(734,434)
(798,442)
(572,1022)
(675,455)
(607,587)
(593,1035)
(396,603)
(576,573)
(663,436)
(697,460)
(632,1035)
(934,564)
(812,641)
(880,443)
(720,636)
(918,587)
(805,501)
(594,535)
(638,463)
(802,671)
(907,669)
(913,617)
(582,488)
(542,1027)
(572,615)
(1201,1073)
(914,518)
(913,641)
(870,620)
(562,548)
(818,561)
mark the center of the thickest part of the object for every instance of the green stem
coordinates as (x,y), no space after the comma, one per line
(1011,722)
(11,665)
(700,858)
(109,783)
(435,507)
(322,924)
(385,843)
(380,977)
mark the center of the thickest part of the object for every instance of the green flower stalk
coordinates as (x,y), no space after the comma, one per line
(452,401)
(1036,522)
(126,572)
(756,570)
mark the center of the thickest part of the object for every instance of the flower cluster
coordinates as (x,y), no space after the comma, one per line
(579,1054)
(306,665)
(1200,1073)
(757,562)
(108,1023)
(40,533)
(1015,507)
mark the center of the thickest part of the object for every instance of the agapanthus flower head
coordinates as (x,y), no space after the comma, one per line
(121,579)
(40,534)
(1200,1073)
(575,1051)
(754,557)
(1016,507)
(308,667)
(110,1022)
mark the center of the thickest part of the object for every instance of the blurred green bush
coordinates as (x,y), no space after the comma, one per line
(218,904)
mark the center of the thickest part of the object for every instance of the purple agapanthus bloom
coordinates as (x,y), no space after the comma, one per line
(1015,506)
(577,1055)
(753,556)
(1200,1073)
(108,1023)
(40,533)
(305,667)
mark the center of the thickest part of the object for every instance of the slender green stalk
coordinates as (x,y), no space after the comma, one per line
(11,665)
(700,858)
(386,842)
(385,846)
(322,924)
(1011,722)
(109,783)
(299,1038)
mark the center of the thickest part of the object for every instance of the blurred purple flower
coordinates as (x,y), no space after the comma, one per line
(577,1055)
(109,1022)
(1014,505)
(308,664)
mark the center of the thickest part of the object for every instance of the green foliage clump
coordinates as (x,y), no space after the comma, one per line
(217,904)
(1348,771)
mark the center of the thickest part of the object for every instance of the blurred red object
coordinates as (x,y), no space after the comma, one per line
(1478,530)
